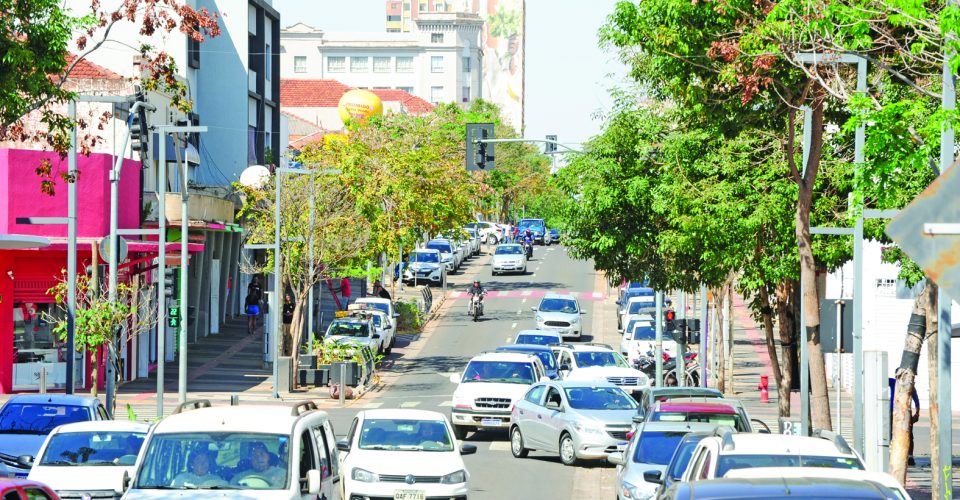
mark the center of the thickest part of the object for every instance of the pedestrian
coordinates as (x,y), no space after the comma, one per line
(251,307)
(288,307)
(914,417)
(345,292)
(380,291)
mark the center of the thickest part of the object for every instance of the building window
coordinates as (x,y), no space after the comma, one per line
(393,18)
(404,65)
(381,64)
(408,90)
(406,7)
(466,94)
(436,64)
(436,94)
(466,64)
(267,62)
(336,64)
(436,37)
(193,52)
(423,6)
(359,64)
(300,64)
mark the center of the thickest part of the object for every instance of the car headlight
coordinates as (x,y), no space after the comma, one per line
(364,476)
(575,320)
(539,319)
(588,429)
(633,493)
(454,477)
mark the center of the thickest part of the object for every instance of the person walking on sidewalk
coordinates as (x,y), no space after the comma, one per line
(288,307)
(345,292)
(252,304)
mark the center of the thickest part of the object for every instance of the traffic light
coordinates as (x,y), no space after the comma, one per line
(138,127)
(693,331)
(170,282)
(479,155)
(670,315)
(550,146)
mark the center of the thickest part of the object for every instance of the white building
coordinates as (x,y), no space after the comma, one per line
(887,305)
(440,61)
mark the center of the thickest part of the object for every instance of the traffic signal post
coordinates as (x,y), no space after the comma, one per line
(479,146)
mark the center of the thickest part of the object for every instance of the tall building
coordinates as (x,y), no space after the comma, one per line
(402,14)
(440,61)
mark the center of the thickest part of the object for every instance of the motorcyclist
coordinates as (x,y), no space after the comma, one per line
(528,242)
(477,289)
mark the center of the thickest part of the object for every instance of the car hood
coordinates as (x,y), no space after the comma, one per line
(601,372)
(609,417)
(204,494)
(471,390)
(81,478)
(558,316)
(508,257)
(340,339)
(21,444)
(401,463)
(424,266)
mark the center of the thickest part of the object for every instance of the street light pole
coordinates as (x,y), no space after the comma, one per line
(276,287)
(72,250)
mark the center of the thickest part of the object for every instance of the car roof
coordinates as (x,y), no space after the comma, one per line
(427,250)
(103,425)
(504,356)
(586,347)
(508,245)
(548,333)
(744,488)
(403,413)
(665,406)
(377,300)
(61,399)
(826,472)
(677,391)
(524,348)
(242,418)
(553,295)
(580,383)
(782,444)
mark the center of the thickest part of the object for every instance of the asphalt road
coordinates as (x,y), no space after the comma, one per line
(418,376)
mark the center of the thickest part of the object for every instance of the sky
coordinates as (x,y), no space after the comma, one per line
(568,77)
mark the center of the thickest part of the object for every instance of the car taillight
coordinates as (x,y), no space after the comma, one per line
(630,435)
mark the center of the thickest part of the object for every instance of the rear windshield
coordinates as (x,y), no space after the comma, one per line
(587,359)
(728,419)
(380,306)
(657,447)
(644,333)
(537,339)
(443,247)
(729,462)
(637,306)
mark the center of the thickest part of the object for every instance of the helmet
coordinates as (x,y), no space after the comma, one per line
(476,282)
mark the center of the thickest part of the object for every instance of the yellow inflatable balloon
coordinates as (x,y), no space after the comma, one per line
(359,104)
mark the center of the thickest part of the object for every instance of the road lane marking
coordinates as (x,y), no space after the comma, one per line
(445,404)
(526,293)
(519,312)
(371,406)
(409,404)
(514,325)
(597,295)
(524,301)
(500,446)
(508,341)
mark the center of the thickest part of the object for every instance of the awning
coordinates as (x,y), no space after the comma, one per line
(22,241)
(137,246)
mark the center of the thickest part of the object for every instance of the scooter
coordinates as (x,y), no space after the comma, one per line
(528,249)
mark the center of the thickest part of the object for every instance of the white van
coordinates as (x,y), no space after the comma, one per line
(257,451)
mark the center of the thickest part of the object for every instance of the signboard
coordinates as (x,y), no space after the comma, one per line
(503,56)
(938,255)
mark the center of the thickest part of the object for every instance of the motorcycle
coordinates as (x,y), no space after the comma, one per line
(476,306)
(528,249)
(647,364)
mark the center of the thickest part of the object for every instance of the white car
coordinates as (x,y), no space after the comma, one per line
(640,338)
(560,313)
(424,267)
(89,458)
(715,456)
(449,255)
(881,478)
(538,337)
(356,330)
(403,453)
(509,258)
(634,305)
(598,362)
(489,387)
(383,324)
(248,451)
(489,232)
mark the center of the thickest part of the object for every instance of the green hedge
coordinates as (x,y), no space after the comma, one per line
(411,319)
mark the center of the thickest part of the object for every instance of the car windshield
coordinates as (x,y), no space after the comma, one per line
(441,247)
(678,464)
(511,372)
(348,329)
(559,305)
(217,460)
(657,447)
(599,398)
(587,359)
(380,306)
(92,448)
(405,435)
(529,338)
(424,257)
(531,223)
(644,333)
(728,419)
(509,250)
(638,306)
(29,418)
(729,462)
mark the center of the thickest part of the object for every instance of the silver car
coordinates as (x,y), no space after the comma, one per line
(640,467)
(579,420)
(509,258)
(560,313)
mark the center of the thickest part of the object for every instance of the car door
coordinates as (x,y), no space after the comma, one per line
(551,424)
(528,411)
(327,461)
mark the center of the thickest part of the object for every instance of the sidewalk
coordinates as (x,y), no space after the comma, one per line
(751,360)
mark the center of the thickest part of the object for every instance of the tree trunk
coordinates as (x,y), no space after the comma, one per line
(718,306)
(787,327)
(933,317)
(819,398)
(906,376)
(730,390)
(766,314)
(94,365)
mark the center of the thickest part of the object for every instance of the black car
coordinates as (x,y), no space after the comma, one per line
(795,488)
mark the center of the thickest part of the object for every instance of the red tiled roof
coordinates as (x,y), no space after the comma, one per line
(89,70)
(311,93)
(327,94)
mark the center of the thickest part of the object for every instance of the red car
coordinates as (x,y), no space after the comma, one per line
(25,489)
(714,413)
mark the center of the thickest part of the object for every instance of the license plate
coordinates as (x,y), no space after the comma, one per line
(409,495)
(622,446)
(491,422)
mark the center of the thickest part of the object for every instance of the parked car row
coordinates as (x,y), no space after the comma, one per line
(440,257)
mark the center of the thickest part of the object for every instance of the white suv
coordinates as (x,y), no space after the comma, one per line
(594,361)
(267,451)
(489,387)
(715,456)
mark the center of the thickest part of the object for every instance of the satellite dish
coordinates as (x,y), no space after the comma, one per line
(255,176)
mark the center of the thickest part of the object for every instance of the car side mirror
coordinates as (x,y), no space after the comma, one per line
(553,405)
(313,482)
(125,482)
(25,460)
(564,367)
(583,312)
(615,458)
(455,378)
(468,449)
(619,302)
(653,476)
(534,309)
(376,335)
(343,445)
(396,315)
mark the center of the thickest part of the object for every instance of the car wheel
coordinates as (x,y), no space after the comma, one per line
(460,432)
(491,239)
(516,443)
(568,454)
(389,348)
